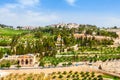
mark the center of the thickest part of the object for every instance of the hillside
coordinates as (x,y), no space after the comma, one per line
(45,38)
(59,45)
(6,35)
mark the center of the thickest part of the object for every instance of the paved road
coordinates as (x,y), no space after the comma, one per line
(109,73)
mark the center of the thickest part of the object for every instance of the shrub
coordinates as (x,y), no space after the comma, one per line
(64,72)
(60,76)
(68,76)
(53,77)
(93,74)
(70,71)
(42,63)
(70,63)
(18,66)
(73,76)
(64,64)
(100,67)
(53,73)
(99,77)
(59,72)
(76,72)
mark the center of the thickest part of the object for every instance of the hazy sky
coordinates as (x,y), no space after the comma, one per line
(103,13)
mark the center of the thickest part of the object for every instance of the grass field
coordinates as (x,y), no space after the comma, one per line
(111,77)
(10,32)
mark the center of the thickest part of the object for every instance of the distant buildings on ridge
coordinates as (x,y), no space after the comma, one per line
(69,25)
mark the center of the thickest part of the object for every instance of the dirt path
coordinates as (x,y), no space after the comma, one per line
(50,70)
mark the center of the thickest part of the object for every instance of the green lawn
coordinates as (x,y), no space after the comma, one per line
(10,32)
(111,77)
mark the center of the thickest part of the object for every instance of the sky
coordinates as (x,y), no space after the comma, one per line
(103,13)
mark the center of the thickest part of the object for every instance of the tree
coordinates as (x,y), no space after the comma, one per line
(72,40)
(55,62)
(67,41)
(28,48)
(8,64)
(115,27)
(53,53)
(14,41)
(75,55)
(100,67)
(20,49)
(42,63)
(19,27)
(1,54)
(49,46)
(38,34)
(2,65)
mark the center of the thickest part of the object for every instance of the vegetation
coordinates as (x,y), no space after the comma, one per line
(111,77)
(7,63)
(8,32)
(55,76)
(49,42)
(43,40)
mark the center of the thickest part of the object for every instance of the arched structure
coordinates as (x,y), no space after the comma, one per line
(26,60)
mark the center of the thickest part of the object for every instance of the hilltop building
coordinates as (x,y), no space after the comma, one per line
(69,25)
